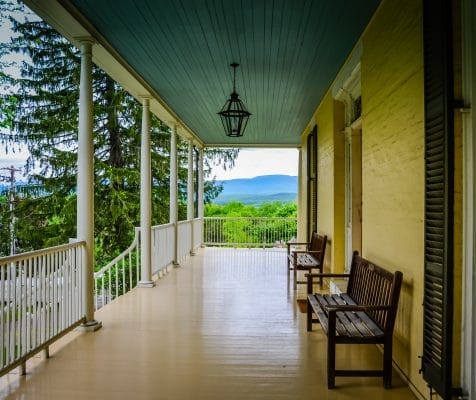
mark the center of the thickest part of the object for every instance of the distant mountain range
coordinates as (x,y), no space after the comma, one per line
(4,187)
(258,190)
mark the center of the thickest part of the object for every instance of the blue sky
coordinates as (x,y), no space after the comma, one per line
(250,163)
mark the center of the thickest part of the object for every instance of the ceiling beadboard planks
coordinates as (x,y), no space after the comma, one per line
(289,54)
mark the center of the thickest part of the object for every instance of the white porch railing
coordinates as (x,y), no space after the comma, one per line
(249,231)
(197,233)
(119,276)
(163,243)
(122,274)
(184,239)
(41,298)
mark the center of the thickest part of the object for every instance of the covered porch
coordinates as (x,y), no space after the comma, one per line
(224,325)
(376,96)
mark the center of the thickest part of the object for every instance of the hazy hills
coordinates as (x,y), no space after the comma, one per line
(260,189)
(257,190)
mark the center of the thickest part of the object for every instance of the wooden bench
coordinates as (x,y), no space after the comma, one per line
(364,315)
(309,259)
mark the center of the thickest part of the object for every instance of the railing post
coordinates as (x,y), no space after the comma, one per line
(200,192)
(85,184)
(174,191)
(190,191)
(145,198)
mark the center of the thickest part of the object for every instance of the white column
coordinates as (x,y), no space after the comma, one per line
(200,190)
(190,189)
(145,199)
(174,191)
(85,183)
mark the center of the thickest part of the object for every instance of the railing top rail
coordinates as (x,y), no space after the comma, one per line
(187,221)
(266,218)
(41,252)
(120,256)
(163,226)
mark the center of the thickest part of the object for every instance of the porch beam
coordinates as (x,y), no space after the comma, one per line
(145,198)
(174,191)
(85,182)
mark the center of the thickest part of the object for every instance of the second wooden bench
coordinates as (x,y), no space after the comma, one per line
(309,259)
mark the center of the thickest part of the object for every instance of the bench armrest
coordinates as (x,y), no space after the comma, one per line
(296,243)
(289,244)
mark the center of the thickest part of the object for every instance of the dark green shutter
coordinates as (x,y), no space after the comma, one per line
(439,168)
(312,181)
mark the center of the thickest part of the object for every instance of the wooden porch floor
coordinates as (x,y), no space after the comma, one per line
(225,325)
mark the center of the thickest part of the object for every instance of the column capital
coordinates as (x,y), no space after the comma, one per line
(85,40)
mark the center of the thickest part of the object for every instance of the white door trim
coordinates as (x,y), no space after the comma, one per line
(468,367)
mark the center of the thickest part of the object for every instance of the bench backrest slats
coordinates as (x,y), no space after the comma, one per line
(318,243)
(372,285)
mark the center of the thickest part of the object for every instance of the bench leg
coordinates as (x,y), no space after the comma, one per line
(309,316)
(331,364)
(295,278)
(387,364)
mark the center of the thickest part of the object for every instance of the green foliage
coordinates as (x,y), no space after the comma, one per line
(237,209)
(246,225)
(41,108)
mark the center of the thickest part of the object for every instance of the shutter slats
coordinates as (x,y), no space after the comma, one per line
(437,290)
(312,175)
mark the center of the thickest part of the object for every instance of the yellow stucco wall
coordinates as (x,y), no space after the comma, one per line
(393,164)
(338,248)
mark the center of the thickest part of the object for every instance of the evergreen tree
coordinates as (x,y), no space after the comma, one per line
(44,110)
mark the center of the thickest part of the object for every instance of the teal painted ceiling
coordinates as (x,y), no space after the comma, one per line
(289,53)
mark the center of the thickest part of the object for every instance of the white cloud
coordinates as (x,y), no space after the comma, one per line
(17,159)
(255,162)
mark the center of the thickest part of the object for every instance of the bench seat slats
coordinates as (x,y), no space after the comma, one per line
(344,326)
(304,261)
(375,329)
(356,318)
(349,324)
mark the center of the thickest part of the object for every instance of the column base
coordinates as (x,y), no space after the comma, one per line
(90,326)
(176,264)
(146,284)
(192,253)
